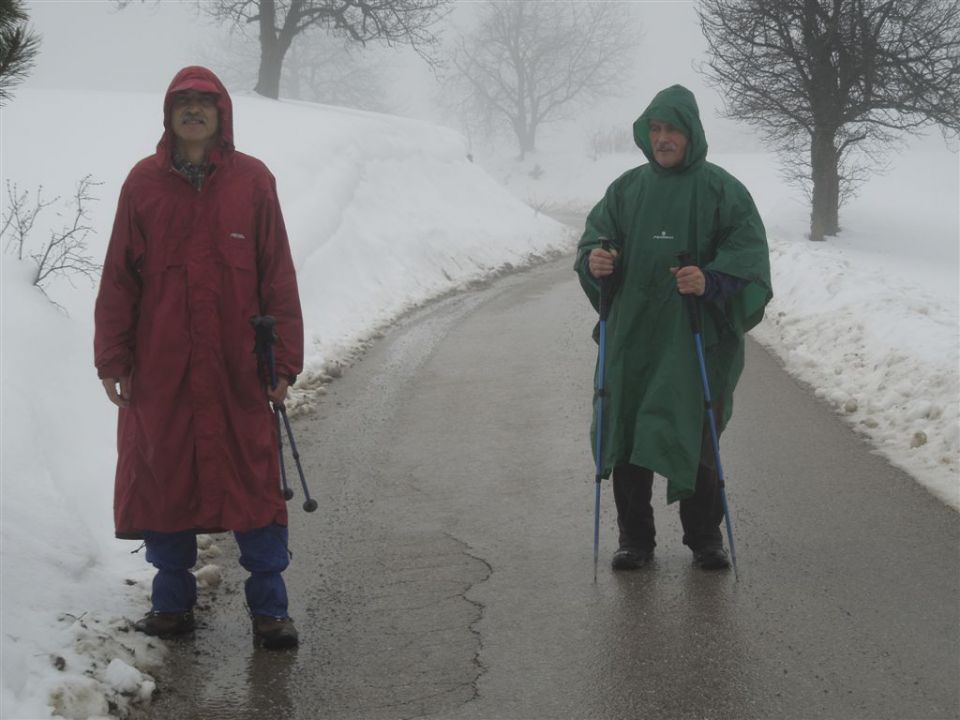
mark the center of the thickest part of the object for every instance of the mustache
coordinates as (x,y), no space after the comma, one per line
(665,147)
(190,117)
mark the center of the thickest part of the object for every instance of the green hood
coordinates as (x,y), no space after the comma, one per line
(677,106)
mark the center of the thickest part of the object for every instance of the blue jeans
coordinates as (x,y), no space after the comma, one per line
(263,553)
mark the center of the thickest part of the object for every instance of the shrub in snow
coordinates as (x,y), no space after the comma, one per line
(65,251)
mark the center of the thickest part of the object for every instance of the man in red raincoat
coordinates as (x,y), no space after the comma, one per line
(198,248)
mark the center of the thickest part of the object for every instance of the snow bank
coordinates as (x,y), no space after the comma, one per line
(879,349)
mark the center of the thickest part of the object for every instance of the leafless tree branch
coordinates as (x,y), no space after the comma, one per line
(529,63)
(835,80)
(20,216)
(65,252)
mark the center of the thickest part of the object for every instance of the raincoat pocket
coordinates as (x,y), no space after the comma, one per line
(237,250)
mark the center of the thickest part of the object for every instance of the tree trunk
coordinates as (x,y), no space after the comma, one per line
(268,80)
(293,88)
(824,161)
(530,141)
(273,46)
(526,137)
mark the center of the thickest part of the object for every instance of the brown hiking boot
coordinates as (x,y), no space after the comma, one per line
(274,633)
(164,625)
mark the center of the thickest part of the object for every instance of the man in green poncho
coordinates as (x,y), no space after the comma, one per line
(654,414)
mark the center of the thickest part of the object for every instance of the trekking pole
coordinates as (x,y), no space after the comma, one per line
(600,390)
(264,333)
(287,492)
(690,302)
(263,326)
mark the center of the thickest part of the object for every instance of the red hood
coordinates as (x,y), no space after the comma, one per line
(202,80)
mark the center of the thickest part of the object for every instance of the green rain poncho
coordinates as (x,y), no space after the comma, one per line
(654,408)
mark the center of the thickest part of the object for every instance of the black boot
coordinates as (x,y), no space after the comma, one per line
(164,625)
(274,633)
(630,558)
(711,557)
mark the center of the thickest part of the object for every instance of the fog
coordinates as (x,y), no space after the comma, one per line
(93,45)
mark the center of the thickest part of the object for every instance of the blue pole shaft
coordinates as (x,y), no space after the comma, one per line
(598,444)
(604,309)
(715,439)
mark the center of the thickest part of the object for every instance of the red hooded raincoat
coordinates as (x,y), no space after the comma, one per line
(184,273)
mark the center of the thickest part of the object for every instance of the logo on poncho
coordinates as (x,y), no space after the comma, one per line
(663,236)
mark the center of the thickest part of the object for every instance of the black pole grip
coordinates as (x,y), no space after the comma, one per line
(264,338)
(263,328)
(605,285)
(690,301)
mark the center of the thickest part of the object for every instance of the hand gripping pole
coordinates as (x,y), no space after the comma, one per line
(265,333)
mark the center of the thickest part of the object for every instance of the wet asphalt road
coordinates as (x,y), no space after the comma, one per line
(448,572)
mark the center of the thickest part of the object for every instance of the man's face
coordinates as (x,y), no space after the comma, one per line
(195,116)
(668,142)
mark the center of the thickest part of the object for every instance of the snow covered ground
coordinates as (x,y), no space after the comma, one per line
(383,214)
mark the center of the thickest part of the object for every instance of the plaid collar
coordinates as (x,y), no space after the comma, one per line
(194,173)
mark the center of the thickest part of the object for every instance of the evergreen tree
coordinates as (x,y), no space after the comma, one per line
(19,46)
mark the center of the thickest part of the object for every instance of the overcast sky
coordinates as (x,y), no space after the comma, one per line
(89,44)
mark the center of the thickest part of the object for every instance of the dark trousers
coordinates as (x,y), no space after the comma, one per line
(700,514)
(263,553)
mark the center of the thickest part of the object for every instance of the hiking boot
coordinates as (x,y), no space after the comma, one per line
(711,557)
(164,625)
(274,633)
(627,558)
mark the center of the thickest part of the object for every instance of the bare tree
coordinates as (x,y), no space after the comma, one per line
(19,46)
(329,70)
(65,251)
(528,63)
(279,22)
(835,81)
(319,68)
